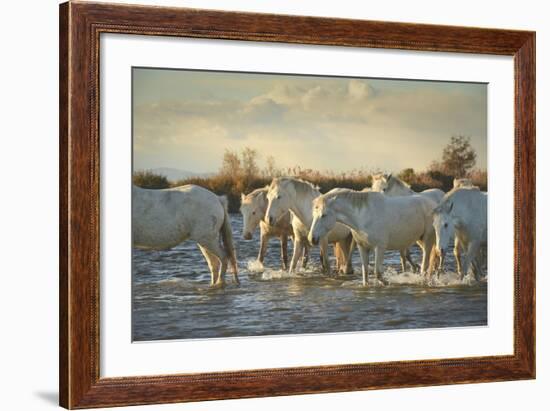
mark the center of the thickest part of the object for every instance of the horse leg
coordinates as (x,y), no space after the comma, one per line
(263,247)
(339,257)
(379,262)
(425,258)
(297,253)
(433,266)
(458,258)
(321,257)
(213,247)
(460,248)
(441,261)
(364,254)
(408,256)
(213,264)
(480,261)
(471,253)
(324,255)
(349,257)
(476,268)
(403,256)
(345,247)
(471,258)
(305,259)
(427,245)
(284,252)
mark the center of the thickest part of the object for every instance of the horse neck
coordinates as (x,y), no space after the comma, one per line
(346,214)
(462,208)
(302,207)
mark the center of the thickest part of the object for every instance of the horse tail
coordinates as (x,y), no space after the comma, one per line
(227,238)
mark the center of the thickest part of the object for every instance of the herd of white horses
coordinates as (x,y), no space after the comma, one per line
(387,216)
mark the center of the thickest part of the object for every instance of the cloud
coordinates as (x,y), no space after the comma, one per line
(262,109)
(340,123)
(359,90)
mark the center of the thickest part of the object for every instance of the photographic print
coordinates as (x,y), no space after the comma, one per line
(281,204)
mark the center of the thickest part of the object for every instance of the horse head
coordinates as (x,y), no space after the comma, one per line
(253,208)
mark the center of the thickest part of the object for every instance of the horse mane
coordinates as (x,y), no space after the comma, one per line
(256,193)
(357,199)
(393,180)
(301,186)
(449,196)
(457,189)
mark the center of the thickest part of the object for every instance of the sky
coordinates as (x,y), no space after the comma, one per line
(187,119)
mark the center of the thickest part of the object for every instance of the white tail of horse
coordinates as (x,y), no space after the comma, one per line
(227,238)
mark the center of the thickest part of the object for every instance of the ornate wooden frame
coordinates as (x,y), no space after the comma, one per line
(80,27)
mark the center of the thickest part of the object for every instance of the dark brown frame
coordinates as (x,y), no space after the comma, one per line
(80,27)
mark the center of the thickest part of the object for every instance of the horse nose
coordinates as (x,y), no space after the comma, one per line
(314,240)
(270,220)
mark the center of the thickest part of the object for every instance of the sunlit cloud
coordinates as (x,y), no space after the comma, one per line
(323,123)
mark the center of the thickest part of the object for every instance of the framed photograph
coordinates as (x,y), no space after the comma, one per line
(259,205)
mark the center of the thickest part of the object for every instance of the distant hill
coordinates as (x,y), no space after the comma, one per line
(175,174)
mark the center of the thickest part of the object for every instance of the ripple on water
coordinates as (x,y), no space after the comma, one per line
(172,297)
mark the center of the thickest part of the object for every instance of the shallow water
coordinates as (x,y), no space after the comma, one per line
(172,298)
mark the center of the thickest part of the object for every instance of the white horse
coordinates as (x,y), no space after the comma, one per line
(162,219)
(462,182)
(295,195)
(393,186)
(253,208)
(377,222)
(463,213)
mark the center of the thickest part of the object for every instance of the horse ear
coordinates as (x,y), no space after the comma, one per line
(388,176)
(242,196)
(441,208)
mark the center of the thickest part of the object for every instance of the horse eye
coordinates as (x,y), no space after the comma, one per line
(445,225)
(278,197)
(253,212)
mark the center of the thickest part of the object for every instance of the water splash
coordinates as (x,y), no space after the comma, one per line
(254,266)
(269,275)
(391,277)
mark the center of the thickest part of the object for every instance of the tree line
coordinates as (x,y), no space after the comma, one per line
(241,173)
